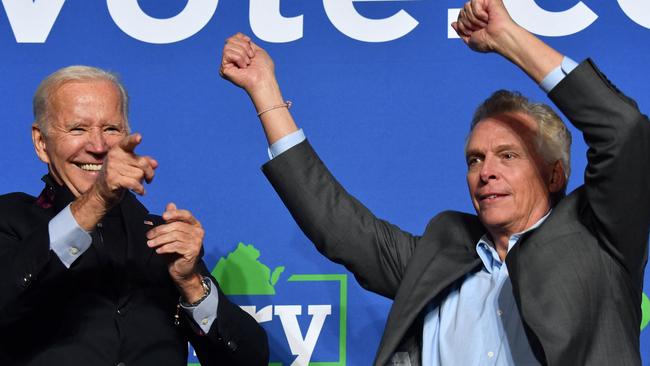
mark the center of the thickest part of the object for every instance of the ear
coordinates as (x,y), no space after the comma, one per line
(557,178)
(40,145)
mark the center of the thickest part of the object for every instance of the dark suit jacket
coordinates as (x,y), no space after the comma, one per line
(577,279)
(102,312)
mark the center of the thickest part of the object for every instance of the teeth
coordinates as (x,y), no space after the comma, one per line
(91,167)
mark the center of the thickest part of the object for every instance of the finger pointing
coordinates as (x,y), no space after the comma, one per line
(129,143)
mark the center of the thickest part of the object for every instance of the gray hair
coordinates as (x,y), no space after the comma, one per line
(554,139)
(41,103)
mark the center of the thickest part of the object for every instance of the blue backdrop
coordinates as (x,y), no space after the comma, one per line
(380,88)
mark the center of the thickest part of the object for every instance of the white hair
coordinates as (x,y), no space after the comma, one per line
(42,97)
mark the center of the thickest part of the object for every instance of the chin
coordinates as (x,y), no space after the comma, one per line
(80,186)
(492,220)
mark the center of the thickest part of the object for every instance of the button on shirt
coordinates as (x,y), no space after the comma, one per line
(478,323)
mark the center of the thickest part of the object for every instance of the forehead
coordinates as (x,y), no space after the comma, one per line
(84,90)
(512,128)
(87,98)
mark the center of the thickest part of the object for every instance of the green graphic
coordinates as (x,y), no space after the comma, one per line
(645,310)
(241,273)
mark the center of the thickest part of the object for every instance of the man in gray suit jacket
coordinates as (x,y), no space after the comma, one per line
(537,276)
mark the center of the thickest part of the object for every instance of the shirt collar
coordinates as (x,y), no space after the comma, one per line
(489,255)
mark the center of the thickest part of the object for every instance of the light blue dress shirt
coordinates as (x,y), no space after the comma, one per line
(557,74)
(69,241)
(286,143)
(478,323)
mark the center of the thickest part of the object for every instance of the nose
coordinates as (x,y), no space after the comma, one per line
(97,142)
(488,169)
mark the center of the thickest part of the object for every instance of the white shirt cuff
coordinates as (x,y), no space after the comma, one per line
(67,239)
(557,74)
(286,143)
(205,313)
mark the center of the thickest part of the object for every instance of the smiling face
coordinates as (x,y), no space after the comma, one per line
(509,183)
(85,121)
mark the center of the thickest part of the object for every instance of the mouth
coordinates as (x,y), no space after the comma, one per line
(491,197)
(89,167)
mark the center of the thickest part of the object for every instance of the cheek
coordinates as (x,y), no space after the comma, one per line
(534,190)
(66,151)
(56,153)
(472,179)
(472,183)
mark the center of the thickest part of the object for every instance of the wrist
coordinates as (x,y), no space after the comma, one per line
(507,43)
(88,209)
(265,94)
(528,52)
(194,290)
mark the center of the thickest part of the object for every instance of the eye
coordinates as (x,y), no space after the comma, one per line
(508,155)
(473,161)
(113,129)
(77,130)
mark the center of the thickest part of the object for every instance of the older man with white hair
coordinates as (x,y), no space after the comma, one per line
(87,275)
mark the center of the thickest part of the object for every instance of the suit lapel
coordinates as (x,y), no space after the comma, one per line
(445,254)
(137,222)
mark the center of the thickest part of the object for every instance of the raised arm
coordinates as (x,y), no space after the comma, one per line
(618,135)
(341,228)
(249,67)
(486,26)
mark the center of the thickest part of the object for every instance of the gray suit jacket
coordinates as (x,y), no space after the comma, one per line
(577,279)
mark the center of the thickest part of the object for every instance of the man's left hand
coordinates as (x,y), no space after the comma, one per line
(181,239)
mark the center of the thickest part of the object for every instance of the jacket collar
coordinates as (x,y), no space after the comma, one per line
(54,195)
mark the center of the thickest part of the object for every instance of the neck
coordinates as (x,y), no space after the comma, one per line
(500,240)
(501,235)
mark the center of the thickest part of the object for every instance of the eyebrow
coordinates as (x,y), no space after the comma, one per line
(73,123)
(504,147)
(498,148)
(474,152)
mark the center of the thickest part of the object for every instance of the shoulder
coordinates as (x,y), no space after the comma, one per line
(454,218)
(20,213)
(455,224)
(15,201)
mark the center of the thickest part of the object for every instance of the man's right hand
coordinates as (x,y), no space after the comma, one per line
(247,65)
(122,170)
